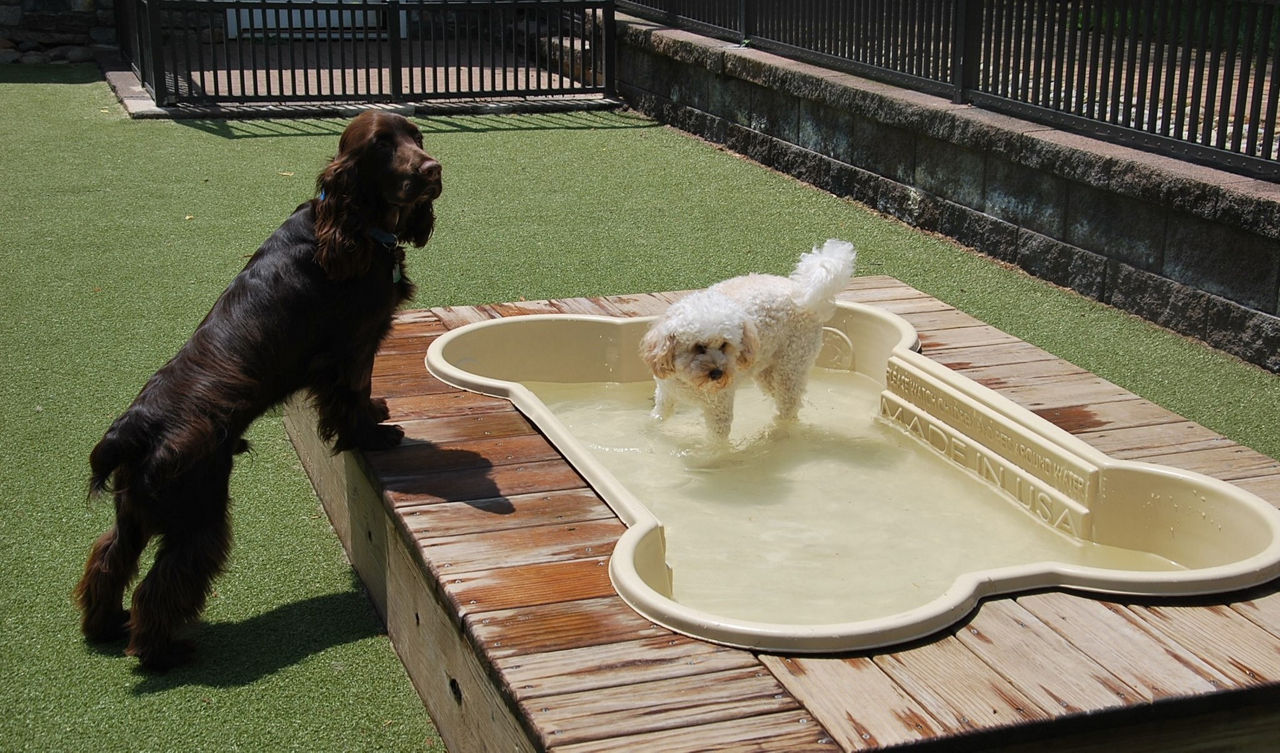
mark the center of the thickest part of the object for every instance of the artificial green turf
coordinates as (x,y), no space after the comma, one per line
(117,235)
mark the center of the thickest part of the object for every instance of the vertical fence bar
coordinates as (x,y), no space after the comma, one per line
(966,58)
(1246,58)
(155,39)
(610,52)
(1270,150)
(1262,28)
(393,40)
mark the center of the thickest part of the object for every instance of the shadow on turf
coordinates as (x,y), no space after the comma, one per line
(233,654)
(550,121)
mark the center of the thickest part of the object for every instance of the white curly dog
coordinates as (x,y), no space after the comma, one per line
(757,326)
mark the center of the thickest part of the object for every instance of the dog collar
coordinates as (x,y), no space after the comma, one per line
(388,241)
(385,239)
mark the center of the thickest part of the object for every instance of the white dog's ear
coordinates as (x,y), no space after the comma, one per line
(658,350)
(750,344)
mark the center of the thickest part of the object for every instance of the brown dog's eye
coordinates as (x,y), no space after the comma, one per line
(724,347)
(700,349)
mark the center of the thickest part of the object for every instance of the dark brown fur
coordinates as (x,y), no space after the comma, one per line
(307,313)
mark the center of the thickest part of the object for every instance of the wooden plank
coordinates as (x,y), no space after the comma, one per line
(544,628)
(481,483)
(447,401)
(977,356)
(1078,419)
(1137,442)
(612,665)
(1008,376)
(402,464)
(962,337)
(511,587)
(1058,677)
(1229,463)
(453,317)
(1225,639)
(1263,611)
(481,516)
(1266,487)
(860,706)
(957,688)
(643,304)
(936,321)
(1083,390)
(1143,658)
(518,547)
(667,704)
(467,426)
(791,731)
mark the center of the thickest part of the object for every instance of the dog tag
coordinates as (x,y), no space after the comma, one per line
(395,272)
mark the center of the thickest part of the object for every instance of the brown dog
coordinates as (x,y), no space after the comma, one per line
(307,313)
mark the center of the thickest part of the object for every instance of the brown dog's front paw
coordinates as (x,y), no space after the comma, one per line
(378,410)
(380,437)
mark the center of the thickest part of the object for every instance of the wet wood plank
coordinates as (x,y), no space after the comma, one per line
(519,547)
(531,585)
(546,628)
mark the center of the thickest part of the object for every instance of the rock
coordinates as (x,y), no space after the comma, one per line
(78,54)
(9,56)
(34,58)
(71,53)
(28,46)
(6,44)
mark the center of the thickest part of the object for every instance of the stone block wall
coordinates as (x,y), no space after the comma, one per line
(50,31)
(1188,247)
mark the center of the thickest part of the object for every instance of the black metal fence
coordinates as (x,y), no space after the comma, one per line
(290,51)
(1192,78)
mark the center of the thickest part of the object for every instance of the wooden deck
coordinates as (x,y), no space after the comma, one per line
(486,553)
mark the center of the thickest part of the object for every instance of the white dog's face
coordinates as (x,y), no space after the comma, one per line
(708,366)
(707,363)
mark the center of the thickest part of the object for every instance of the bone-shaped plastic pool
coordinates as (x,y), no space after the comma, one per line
(905,494)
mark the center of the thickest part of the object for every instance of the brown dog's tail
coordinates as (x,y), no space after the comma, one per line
(124,443)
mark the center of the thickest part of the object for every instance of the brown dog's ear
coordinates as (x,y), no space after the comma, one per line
(659,351)
(342,250)
(750,344)
(416,226)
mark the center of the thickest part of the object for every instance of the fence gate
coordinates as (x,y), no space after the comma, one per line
(202,52)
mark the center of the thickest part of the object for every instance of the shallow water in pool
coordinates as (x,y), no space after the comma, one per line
(837,518)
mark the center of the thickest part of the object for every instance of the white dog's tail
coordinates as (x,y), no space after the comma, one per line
(821,274)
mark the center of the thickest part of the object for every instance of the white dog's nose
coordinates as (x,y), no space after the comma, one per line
(715,374)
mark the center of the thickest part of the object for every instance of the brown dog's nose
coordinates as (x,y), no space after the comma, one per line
(430,170)
(715,374)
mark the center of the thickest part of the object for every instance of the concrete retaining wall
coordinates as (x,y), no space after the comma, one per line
(1191,248)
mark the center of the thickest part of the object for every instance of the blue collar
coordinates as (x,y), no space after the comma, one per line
(385,239)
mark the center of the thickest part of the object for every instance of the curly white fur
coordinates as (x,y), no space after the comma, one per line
(764,327)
